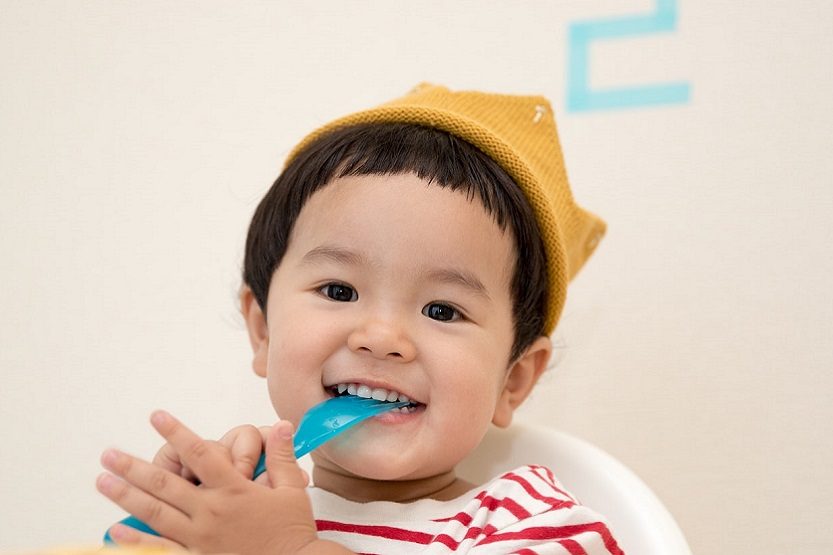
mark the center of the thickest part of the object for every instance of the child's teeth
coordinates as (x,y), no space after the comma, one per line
(379,393)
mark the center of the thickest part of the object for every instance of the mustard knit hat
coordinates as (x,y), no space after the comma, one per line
(517,132)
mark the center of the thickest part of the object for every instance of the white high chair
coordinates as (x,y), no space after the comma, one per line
(638,519)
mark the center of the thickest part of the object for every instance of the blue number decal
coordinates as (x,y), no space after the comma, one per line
(581,98)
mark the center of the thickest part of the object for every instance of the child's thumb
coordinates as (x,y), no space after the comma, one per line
(281,465)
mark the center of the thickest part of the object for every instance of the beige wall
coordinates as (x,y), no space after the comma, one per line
(137,137)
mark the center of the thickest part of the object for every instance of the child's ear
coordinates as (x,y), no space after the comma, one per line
(520,379)
(258,331)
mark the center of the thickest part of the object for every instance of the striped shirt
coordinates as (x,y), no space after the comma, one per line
(523,512)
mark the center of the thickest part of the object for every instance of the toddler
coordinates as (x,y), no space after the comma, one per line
(417,251)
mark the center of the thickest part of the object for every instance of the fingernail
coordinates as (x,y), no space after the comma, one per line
(105,482)
(121,532)
(285,430)
(159,417)
(109,458)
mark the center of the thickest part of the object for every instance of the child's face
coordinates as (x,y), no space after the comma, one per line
(396,284)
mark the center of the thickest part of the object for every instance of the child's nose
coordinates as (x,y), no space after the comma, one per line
(383,340)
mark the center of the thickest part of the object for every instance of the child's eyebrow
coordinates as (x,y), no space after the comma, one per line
(459,277)
(339,255)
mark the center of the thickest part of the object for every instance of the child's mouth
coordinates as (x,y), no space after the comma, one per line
(378,393)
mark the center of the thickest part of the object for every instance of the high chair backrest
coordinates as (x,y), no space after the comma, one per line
(637,518)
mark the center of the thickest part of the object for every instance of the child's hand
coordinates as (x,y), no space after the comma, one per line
(228,512)
(243,446)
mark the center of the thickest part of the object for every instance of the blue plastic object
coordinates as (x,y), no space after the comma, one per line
(320,424)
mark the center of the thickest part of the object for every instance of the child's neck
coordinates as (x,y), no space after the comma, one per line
(442,487)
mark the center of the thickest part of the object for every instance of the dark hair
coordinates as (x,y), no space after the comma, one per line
(434,155)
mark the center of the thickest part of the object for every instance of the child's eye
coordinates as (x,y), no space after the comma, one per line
(441,312)
(340,292)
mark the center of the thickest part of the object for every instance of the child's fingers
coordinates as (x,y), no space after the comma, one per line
(159,483)
(126,536)
(246,445)
(208,462)
(155,513)
(281,464)
(263,480)
(168,458)
(264,432)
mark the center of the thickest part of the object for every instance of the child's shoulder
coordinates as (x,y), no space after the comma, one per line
(531,485)
(516,509)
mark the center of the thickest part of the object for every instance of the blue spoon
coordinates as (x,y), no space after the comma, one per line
(320,424)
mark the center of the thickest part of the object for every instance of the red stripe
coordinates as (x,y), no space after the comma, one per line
(492,504)
(552,501)
(448,541)
(557,533)
(471,534)
(388,532)
(461,517)
(525,551)
(507,503)
(550,480)
(547,471)
(573,547)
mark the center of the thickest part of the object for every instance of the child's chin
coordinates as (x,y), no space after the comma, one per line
(374,464)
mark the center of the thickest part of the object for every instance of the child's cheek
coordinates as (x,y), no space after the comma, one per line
(284,391)
(287,406)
